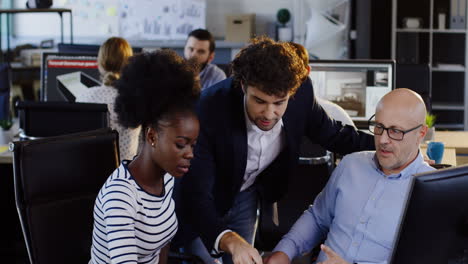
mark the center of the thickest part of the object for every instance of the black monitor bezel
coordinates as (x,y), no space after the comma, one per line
(420,179)
(86,48)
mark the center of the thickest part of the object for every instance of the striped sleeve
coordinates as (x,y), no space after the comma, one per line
(118,219)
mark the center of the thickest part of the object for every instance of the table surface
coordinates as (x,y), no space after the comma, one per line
(453,139)
(5,155)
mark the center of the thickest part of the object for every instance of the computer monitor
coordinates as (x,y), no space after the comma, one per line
(64,74)
(85,48)
(434,225)
(78,48)
(355,85)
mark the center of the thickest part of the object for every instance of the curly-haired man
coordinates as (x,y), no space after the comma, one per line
(251,126)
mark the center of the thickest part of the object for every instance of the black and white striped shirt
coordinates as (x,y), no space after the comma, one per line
(131,225)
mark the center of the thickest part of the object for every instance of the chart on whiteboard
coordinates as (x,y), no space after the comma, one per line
(161,19)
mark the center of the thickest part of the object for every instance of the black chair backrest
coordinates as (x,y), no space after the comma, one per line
(5,86)
(56,181)
(45,119)
(311,176)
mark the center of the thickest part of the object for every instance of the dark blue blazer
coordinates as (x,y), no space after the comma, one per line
(220,157)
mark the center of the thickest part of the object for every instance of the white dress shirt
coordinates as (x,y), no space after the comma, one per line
(262,148)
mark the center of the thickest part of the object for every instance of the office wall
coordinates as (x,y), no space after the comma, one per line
(26,25)
(151,19)
(265,11)
(215,13)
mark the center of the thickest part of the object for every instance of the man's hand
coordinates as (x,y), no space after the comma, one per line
(241,251)
(332,257)
(428,160)
(277,257)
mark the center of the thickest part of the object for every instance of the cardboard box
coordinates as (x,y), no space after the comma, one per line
(32,57)
(240,27)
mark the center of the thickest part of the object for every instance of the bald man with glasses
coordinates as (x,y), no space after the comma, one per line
(358,211)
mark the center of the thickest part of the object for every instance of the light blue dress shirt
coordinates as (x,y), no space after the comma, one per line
(357,212)
(211,75)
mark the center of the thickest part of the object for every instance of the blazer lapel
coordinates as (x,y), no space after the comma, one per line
(239,136)
(287,130)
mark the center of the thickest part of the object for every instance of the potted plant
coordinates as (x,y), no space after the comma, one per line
(284,32)
(430,122)
(6,134)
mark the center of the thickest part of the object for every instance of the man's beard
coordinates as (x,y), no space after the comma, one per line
(203,65)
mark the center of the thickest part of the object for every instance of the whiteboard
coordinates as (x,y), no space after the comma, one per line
(91,18)
(131,19)
(161,19)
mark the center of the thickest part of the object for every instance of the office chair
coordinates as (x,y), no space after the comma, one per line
(56,181)
(45,119)
(314,169)
(5,86)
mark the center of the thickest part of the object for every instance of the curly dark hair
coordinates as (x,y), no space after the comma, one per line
(273,67)
(155,86)
(302,53)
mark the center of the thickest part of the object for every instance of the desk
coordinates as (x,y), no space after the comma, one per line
(225,51)
(457,140)
(6,157)
(12,11)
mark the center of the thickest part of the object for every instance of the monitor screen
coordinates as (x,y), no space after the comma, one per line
(63,75)
(434,225)
(355,85)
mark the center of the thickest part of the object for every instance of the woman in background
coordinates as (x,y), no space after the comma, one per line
(134,213)
(113,55)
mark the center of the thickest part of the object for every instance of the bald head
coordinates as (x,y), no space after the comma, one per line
(406,103)
(400,117)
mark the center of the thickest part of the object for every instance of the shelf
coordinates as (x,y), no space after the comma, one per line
(427,30)
(414,30)
(13,11)
(35,10)
(448,106)
(457,31)
(441,55)
(450,126)
(442,69)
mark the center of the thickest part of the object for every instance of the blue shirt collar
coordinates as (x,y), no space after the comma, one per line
(406,172)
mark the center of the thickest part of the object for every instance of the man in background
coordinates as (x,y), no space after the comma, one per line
(200,47)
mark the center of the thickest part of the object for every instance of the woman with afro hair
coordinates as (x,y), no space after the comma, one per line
(134,213)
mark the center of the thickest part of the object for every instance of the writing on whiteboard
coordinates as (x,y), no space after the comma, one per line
(161,19)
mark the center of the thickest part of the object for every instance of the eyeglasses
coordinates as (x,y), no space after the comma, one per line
(393,133)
